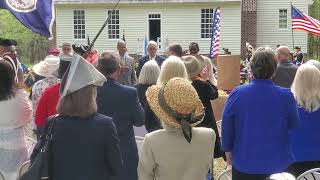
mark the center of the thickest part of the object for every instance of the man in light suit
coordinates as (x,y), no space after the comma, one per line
(152,55)
(128,73)
(122,104)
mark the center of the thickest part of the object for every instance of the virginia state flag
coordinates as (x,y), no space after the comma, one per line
(37,15)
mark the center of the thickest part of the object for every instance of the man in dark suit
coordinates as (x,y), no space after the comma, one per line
(286,70)
(297,56)
(122,104)
(152,55)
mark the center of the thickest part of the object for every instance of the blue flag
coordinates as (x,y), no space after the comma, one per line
(145,46)
(37,15)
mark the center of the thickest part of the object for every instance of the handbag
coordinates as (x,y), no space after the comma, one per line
(40,167)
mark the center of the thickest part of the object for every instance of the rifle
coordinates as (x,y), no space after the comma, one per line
(84,50)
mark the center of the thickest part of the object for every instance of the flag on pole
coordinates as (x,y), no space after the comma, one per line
(37,15)
(145,46)
(88,40)
(123,37)
(301,21)
(215,34)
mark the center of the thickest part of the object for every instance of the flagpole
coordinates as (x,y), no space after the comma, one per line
(103,26)
(292,36)
(212,33)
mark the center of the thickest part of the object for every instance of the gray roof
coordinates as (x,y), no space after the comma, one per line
(132,1)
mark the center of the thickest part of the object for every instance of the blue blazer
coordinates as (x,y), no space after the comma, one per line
(122,104)
(145,59)
(305,140)
(83,149)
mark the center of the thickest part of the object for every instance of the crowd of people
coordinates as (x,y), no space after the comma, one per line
(269,125)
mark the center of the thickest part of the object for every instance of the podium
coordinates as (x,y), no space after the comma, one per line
(218,106)
(228,71)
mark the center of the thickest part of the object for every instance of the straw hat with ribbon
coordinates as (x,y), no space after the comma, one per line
(47,67)
(79,75)
(177,104)
(194,64)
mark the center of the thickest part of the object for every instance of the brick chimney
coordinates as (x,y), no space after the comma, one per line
(248,25)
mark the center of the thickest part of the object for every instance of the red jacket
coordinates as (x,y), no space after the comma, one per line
(47,105)
(91,59)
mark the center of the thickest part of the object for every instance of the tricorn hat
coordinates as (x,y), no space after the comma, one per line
(7,42)
(80,74)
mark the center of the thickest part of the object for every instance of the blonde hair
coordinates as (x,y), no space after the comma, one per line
(306,87)
(149,73)
(172,67)
(314,62)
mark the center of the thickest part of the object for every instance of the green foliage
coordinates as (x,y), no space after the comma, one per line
(31,46)
(314,41)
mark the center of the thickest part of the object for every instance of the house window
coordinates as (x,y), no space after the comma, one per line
(154,16)
(113,26)
(283,19)
(206,22)
(79,25)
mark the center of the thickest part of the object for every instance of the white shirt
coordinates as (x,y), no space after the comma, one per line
(15,112)
(154,58)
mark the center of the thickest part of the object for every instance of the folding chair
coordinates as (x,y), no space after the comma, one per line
(219,126)
(139,141)
(282,176)
(312,174)
(30,144)
(226,175)
(23,168)
(1,176)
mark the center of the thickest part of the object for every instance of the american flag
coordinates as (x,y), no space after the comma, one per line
(215,36)
(301,21)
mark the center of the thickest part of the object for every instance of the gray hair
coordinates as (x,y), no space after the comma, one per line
(149,73)
(263,63)
(152,43)
(314,62)
(305,87)
(121,42)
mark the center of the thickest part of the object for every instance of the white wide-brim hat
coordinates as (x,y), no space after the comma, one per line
(46,67)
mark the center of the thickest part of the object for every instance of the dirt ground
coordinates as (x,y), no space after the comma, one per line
(219,166)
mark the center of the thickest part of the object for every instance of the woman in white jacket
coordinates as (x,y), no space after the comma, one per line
(16,112)
(180,150)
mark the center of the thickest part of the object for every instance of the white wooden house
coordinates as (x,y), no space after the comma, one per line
(274,23)
(175,21)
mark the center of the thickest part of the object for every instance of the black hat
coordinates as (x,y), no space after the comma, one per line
(297,47)
(7,42)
